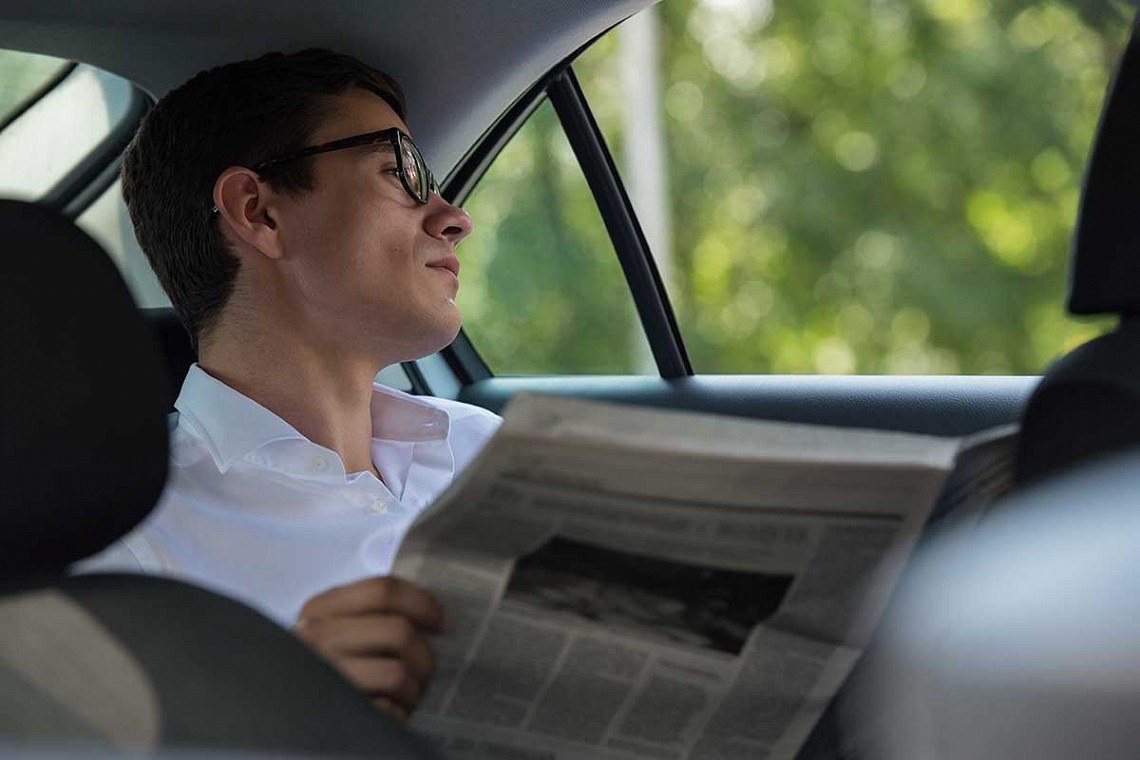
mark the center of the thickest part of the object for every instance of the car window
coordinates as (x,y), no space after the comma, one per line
(108,222)
(22,77)
(47,134)
(541,288)
(53,115)
(852,187)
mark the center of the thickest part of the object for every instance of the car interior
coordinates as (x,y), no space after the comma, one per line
(128,663)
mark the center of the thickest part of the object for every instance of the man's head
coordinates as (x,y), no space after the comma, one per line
(333,239)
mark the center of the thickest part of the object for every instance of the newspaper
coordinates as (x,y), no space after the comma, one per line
(632,583)
(983,472)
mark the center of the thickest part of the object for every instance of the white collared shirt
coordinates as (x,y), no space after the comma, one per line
(256,511)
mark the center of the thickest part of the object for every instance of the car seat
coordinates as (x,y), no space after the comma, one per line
(177,349)
(124,662)
(1016,638)
(1088,402)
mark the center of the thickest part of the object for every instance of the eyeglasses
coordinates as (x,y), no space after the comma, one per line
(414,174)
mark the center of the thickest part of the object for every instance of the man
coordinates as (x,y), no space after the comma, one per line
(297,231)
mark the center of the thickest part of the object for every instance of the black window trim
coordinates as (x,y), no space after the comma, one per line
(646,287)
(62,73)
(641,274)
(416,379)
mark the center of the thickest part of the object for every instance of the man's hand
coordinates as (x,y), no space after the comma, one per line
(372,631)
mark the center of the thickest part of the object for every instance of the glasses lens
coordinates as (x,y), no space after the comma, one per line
(415,171)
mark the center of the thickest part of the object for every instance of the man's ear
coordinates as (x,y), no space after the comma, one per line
(243,202)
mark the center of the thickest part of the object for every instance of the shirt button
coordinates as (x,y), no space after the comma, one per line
(379,506)
(320,463)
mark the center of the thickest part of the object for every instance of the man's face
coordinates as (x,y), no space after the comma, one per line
(363,264)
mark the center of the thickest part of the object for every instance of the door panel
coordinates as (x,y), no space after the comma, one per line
(951,405)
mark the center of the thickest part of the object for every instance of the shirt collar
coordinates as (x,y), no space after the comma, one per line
(234,425)
(402,417)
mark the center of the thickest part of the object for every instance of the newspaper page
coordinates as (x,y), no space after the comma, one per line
(633,583)
(984,472)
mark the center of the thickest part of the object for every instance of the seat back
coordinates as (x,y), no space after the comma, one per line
(1088,402)
(1016,638)
(174,342)
(122,661)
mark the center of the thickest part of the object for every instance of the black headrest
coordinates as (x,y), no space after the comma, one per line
(1087,404)
(1014,636)
(84,442)
(1105,277)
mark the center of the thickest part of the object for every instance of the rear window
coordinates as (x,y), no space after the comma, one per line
(57,114)
(860,187)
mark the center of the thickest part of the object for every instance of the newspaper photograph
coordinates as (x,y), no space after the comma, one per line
(633,583)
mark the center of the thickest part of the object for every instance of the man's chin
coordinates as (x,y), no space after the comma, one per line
(439,338)
(451,336)
(454,324)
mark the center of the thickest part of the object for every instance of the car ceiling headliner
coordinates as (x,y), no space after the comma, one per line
(460,62)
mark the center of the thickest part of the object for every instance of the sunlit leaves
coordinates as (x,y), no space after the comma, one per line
(857,186)
(926,162)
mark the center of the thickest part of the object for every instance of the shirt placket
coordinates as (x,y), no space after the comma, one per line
(433,465)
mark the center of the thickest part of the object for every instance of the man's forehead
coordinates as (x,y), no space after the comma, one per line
(356,112)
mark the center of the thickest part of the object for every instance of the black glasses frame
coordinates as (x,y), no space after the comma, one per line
(394,136)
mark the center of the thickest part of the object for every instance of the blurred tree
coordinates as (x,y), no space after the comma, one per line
(857,187)
(542,290)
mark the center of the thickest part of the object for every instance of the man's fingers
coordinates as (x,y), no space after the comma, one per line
(370,635)
(377,595)
(383,677)
(372,631)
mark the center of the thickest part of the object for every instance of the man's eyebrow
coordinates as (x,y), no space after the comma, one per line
(380,146)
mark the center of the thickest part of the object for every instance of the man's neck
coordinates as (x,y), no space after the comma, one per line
(326,395)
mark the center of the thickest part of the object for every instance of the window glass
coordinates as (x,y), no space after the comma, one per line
(45,142)
(395,377)
(22,76)
(844,186)
(541,288)
(108,221)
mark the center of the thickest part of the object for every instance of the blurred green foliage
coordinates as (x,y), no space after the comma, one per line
(857,186)
(541,288)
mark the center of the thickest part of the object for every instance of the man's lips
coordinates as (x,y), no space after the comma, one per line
(450,263)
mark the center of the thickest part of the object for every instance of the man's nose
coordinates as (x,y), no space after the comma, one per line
(446,221)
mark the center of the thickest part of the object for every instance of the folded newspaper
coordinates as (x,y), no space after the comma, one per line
(634,583)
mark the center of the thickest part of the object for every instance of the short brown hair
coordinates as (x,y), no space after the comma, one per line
(233,115)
